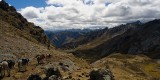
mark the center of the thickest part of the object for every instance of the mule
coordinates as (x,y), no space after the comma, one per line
(40,58)
(22,63)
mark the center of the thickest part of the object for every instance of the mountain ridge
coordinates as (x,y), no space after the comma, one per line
(132,41)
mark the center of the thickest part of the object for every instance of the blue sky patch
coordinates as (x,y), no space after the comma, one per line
(18,4)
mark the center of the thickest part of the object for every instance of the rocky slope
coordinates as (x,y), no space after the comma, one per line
(17,35)
(23,28)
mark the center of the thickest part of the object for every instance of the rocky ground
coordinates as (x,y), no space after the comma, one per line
(123,67)
(74,68)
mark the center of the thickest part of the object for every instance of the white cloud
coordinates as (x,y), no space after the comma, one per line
(64,14)
(31,12)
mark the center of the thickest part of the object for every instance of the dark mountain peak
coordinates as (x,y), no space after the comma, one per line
(106,28)
(5,6)
(156,21)
(135,23)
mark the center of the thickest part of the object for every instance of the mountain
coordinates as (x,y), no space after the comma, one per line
(24,28)
(63,37)
(131,38)
(97,37)
(22,39)
(86,36)
(18,36)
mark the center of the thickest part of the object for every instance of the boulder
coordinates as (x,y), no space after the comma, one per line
(34,77)
(53,77)
(101,74)
(53,71)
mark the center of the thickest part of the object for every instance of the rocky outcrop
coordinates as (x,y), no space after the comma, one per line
(101,74)
(34,77)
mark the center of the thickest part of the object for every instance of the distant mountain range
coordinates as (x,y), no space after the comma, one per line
(72,38)
(130,38)
(62,37)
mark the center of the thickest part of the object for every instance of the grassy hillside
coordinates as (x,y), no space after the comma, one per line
(130,67)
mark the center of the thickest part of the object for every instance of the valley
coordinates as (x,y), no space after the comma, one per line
(126,52)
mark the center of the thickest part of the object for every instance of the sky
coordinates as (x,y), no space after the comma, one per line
(81,14)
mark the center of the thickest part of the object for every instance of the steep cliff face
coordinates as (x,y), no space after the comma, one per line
(31,32)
